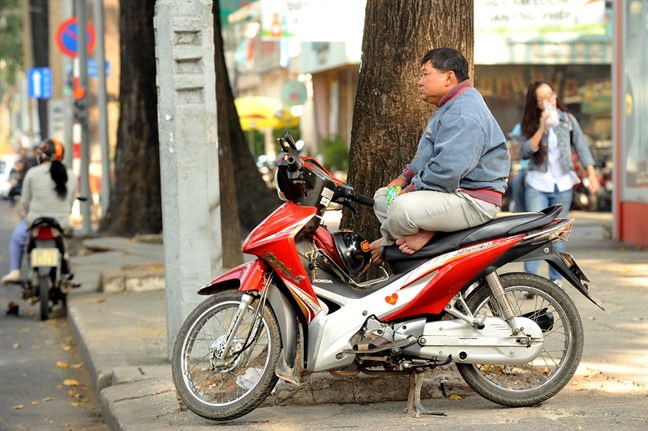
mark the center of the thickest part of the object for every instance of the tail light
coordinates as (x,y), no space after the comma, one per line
(45,232)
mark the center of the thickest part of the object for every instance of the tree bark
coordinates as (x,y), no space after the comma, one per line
(389,116)
(135,201)
(230,225)
(39,14)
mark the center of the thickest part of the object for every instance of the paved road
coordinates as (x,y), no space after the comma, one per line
(34,393)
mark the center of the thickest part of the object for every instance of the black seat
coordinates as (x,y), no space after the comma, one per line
(444,242)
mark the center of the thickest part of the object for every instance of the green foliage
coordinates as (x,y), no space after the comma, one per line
(336,154)
(11,44)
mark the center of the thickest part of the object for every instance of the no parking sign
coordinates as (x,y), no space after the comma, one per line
(67,37)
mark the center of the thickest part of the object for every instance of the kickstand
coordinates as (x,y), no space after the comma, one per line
(414,398)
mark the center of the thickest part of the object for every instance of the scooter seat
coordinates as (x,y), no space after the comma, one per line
(444,242)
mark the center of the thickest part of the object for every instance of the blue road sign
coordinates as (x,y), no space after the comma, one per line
(93,72)
(39,83)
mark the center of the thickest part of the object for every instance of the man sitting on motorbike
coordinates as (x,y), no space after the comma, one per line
(458,175)
(48,190)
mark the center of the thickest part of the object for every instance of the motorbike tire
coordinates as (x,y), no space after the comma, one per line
(528,384)
(43,292)
(242,382)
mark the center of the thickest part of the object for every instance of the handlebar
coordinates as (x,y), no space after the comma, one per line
(357,197)
(364,200)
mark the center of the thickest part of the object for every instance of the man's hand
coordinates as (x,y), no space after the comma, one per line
(398,182)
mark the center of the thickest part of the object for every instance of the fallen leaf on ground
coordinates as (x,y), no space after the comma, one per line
(75,404)
(16,346)
(592,318)
(455,397)
(100,300)
(67,347)
(35,347)
(70,382)
(19,406)
(34,403)
(47,399)
(62,364)
(574,383)
(77,366)
(50,321)
(21,330)
(104,309)
(50,342)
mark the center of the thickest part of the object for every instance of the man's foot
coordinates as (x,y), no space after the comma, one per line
(14,275)
(375,251)
(410,244)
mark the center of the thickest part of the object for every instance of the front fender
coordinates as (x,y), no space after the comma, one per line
(246,277)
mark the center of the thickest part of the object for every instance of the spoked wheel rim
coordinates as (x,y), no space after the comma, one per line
(557,345)
(216,383)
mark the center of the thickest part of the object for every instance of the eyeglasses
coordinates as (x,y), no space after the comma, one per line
(549,97)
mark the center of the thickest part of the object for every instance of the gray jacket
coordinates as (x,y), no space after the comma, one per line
(462,147)
(569,133)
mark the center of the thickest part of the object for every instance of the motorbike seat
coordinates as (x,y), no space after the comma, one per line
(444,242)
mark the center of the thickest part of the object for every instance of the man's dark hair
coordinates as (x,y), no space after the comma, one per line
(445,59)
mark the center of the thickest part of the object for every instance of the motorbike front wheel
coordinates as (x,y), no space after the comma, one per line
(524,385)
(232,387)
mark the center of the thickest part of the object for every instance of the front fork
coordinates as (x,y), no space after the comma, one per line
(222,345)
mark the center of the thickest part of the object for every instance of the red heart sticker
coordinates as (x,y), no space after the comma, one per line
(391,300)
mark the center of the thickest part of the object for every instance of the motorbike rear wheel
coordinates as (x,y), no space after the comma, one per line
(524,385)
(43,292)
(244,379)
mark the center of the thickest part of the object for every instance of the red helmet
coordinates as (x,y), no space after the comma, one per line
(51,150)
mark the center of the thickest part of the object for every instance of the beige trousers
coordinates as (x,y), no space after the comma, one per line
(429,210)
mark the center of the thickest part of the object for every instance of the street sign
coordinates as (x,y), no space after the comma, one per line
(93,72)
(67,35)
(39,83)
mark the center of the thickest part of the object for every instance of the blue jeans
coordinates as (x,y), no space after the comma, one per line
(17,245)
(517,185)
(536,201)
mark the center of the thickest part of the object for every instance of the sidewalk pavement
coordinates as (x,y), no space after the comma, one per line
(118,317)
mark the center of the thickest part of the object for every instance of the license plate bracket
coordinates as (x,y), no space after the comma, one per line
(44,257)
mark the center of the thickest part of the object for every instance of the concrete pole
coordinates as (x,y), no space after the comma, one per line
(101,102)
(68,73)
(82,41)
(184,48)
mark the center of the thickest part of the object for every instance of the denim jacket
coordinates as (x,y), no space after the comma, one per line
(569,133)
(462,147)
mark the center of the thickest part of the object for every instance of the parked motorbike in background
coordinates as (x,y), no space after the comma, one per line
(583,199)
(300,307)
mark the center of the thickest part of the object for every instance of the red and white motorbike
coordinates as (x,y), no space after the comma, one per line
(516,338)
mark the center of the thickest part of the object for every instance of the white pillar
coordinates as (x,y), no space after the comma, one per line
(184,47)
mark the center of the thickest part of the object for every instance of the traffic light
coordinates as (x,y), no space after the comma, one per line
(80,109)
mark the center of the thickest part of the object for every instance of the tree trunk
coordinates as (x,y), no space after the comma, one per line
(135,201)
(230,225)
(389,116)
(39,16)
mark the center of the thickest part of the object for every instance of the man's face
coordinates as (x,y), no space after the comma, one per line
(433,85)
